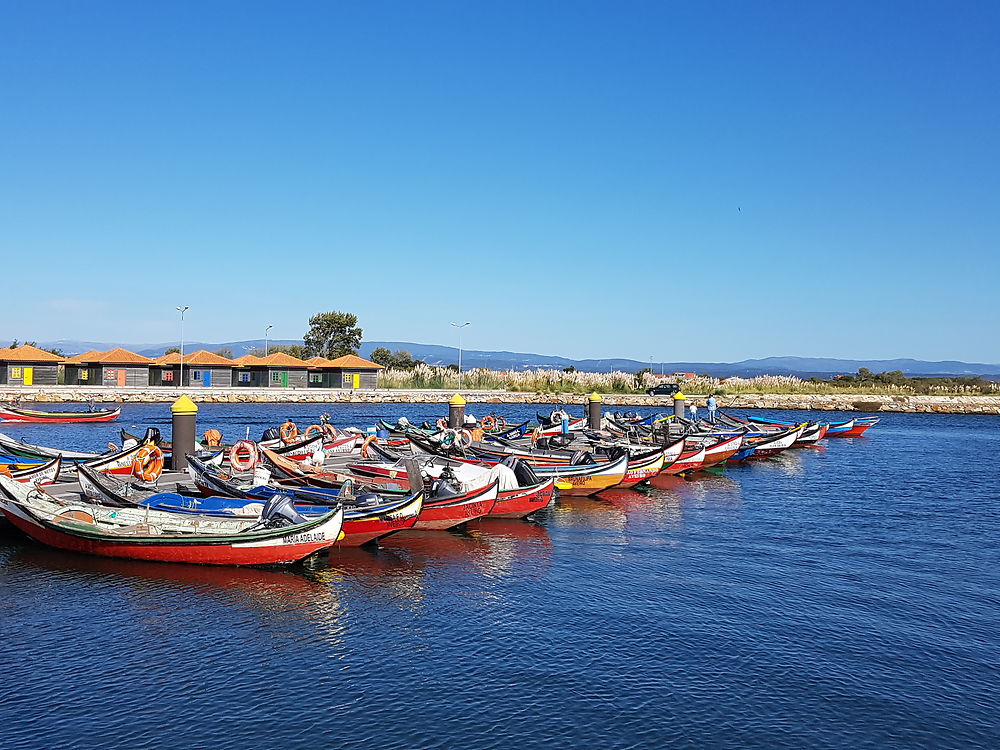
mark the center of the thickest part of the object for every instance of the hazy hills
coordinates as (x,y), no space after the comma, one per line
(443,355)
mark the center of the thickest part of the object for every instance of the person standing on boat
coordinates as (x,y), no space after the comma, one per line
(712,405)
(694,410)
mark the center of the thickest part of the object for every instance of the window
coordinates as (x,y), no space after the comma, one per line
(15,372)
(196,374)
(168,376)
(244,377)
(275,377)
(316,378)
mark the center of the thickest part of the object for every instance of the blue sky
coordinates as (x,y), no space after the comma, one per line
(682,181)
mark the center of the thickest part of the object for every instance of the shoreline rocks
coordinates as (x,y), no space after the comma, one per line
(812,402)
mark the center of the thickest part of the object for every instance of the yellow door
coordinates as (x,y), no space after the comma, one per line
(356,381)
(29,375)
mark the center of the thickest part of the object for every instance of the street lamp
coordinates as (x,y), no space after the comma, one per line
(265,339)
(460,327)
(182,310)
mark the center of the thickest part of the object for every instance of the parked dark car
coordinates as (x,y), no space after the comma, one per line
(664,389)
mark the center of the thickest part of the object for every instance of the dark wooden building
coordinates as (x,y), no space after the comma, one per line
(117,367)
(278,370)
(29,365)
(202,369)
(349,371)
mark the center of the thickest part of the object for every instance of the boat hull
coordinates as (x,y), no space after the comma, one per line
(13,414)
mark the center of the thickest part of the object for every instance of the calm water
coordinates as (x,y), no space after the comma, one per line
(846,596)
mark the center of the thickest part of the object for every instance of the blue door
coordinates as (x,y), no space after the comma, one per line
(207,379)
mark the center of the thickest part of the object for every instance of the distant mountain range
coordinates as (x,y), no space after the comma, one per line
(434,354)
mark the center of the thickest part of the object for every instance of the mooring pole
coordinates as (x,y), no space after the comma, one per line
(456,412)
(680,401)
(594,411)
(184,426)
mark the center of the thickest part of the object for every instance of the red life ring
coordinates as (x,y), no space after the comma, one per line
(488,423)
(148,463)
(243,455)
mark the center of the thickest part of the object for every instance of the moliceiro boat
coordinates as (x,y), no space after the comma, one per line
(9,413)
(280,536)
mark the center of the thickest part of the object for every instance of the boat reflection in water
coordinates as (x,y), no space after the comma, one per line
(278,599)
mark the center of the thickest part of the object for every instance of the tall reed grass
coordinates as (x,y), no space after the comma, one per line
(557,381)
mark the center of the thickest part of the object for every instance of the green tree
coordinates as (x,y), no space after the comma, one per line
(333,334)
(382,356)
(225,351)
(403,360)
(173,350)
(292,350)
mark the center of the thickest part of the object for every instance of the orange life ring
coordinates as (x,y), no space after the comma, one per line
(501,423)
(243,455)
(488,423)
(288,432)
(148,463)
(441,424)
(213,438)
(370,440)
(330,431)
(466,436)
(311,429)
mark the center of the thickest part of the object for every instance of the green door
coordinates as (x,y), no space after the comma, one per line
(284,379)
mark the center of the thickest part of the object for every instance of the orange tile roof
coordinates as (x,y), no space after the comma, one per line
(121,356)
(200,357)
(86,358)
(249,359)
(280,359)
(319,361)
(351,361)
(28,353)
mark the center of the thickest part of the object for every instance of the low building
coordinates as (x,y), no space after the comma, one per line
(278,370)
(202,369)
(117,367)
(29,365)
(350,371)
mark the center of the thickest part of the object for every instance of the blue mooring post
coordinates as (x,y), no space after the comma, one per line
(594,411)
(184,414)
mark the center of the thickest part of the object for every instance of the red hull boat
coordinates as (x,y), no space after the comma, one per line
(16,414)
(446,513)
(523,502)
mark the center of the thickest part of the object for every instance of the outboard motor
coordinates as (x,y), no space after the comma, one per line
(280,511)
(271,433)
(447,485)
(560,441)
(580,458)
(366,500)
(152,436)
(522,470)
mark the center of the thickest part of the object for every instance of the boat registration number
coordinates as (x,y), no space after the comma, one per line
(303,538)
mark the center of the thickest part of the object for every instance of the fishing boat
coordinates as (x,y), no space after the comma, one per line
(281,536)
(28,450)
(690,460)
(446,512)
(47,473)
(586,479)
(9,413)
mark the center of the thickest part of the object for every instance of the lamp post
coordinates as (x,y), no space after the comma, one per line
(265,339)
(182,310)
(460,326)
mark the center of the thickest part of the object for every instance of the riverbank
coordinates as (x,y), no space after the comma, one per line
(816,402)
